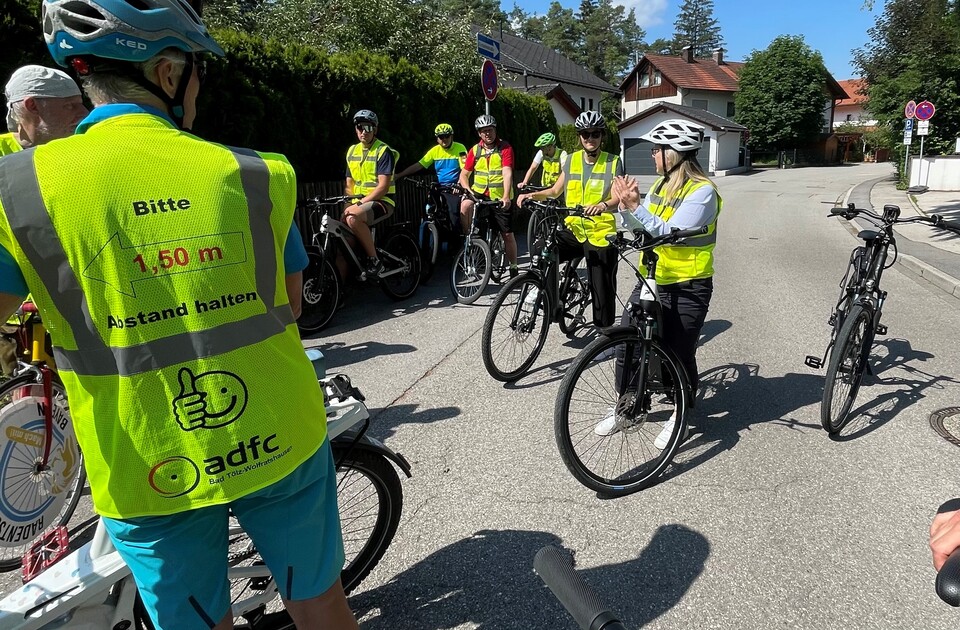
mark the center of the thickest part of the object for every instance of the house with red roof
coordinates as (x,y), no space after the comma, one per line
(702,91)
(852,110)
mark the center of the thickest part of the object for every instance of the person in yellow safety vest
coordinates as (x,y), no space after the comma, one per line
(43,104)
(491,163)
(370,167)
(447,158)
(157,260)
(682,197)
(549,158)
(587,180)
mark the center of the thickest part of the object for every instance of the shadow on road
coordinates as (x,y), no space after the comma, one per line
(487,581)
(713,328)
(385,420)
(340,355)
(894,365)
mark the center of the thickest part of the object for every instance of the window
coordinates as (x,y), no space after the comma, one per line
(656,77)
(699,104)
(849,117)
(644,80)
(591,103)
(731,109)
(583,104)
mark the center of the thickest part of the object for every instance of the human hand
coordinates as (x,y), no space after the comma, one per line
(627,189)
(594,210)
(506,203)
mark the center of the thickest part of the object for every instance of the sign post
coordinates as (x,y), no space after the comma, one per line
(907,131)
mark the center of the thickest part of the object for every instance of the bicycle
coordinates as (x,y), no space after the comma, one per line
(92,587)
(855,320)
(436,231)
(629,375)
(536,227)
(483,255)
(322,284)
(516,326)
(41,466)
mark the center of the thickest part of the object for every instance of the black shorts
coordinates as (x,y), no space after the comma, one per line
(504,219)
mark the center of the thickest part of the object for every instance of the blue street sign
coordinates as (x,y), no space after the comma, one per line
(488,47)
(907,125)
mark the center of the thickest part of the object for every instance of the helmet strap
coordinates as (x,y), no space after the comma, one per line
(684,156)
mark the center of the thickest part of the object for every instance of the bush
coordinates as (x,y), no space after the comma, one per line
(570,142)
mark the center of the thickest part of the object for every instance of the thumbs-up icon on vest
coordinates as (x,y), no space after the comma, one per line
(209,399)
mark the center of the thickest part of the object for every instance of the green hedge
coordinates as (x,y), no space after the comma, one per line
(299,101)
(570,142)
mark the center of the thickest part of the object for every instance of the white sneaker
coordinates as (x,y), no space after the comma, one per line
(607,426)
(664,438)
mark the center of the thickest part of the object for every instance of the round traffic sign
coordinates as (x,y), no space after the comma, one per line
(488,80)
(925,110)
(910,110)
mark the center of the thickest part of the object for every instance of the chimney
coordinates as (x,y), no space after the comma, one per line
(718,56)
(687,54)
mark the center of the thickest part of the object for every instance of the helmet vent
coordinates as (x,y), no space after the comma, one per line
(139,5)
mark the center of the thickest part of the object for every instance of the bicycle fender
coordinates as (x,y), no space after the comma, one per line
(373,445)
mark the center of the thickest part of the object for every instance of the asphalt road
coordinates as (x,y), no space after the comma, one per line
(762,522)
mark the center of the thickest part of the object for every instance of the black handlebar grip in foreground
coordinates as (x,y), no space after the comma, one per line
(555,568)
(948,580)
(837,212)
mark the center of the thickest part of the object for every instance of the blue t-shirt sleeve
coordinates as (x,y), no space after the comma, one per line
(11,278)
(294,253)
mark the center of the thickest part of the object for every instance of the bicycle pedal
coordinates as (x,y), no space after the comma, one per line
(881,329)
(813,362)
(45,552)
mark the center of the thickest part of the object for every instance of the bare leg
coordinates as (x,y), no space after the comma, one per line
(226,623)
(358,225)
(466,215)
(328,611)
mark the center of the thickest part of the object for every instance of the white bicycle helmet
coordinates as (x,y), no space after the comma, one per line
(122,30)
(680,135)
(590,120)
(485,121)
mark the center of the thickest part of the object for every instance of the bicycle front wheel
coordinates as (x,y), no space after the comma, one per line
(471,271)
(621,413)
(498,258)
(321,293)
(36,498)
(536,234)
(370,499)
(848,360)
(515,328)
(574,298)
(429,247)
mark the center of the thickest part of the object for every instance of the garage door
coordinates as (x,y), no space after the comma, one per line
(638,161)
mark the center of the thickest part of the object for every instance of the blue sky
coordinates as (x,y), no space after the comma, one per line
(832,27)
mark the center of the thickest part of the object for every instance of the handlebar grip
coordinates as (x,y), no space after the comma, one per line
(697,231)
(556,570)
(948,580)
(838,212)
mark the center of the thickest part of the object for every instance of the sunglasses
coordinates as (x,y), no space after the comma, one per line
(444,136)
(591,135)
(366,127)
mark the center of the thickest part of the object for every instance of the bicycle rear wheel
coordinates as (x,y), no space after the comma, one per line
(321,293)
(515,328)
(402,262)
(608,443)
(35,502)
(848,360)
(470,272)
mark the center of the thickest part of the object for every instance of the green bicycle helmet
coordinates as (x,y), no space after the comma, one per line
(443,129)
(545,140)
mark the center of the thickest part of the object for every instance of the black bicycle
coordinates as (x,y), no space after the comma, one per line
(519,319)
(483,254)
(322,284)
(621,410)
(537,226)
(855,320)
(436,233)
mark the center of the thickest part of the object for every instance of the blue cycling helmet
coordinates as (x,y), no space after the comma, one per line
(122,30)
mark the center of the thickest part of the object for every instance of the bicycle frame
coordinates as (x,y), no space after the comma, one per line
(332,229)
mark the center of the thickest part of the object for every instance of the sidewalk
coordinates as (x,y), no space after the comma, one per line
(932,254)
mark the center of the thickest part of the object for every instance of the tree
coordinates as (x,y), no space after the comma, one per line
(914,54)
(662,46)
(695,26)
(21,36)
(782,95)
(486,14)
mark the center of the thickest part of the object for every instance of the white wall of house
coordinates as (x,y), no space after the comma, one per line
(632,108)
(724,145)
(563,117)
(715,102)
(585,98)
(854,115)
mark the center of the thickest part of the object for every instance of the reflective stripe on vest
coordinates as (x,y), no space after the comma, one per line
(363,168)
(551,169)
(587,185)
(9,144)
(488,172)
(31,225)
(694,259)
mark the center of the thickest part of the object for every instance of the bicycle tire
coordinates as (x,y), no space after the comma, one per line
(853,344)
(402,285)
(429,247)
(498,258)
(11,557)
(470,272)
(574,298)
(522,322)
(320,293)
(536,230)
(594,371)
(365,549)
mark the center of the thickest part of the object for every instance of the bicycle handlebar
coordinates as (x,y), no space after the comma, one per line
(643,241)
(948,580)
(556,570)
(553,206)
(332,201)
(891,216)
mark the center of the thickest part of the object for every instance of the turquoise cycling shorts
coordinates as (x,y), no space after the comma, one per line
(179,562)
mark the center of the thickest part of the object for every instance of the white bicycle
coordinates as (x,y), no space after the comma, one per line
(92,588)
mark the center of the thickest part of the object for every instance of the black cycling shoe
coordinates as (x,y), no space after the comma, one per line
(374,267)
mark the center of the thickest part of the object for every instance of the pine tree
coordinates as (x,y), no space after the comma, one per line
(695,26)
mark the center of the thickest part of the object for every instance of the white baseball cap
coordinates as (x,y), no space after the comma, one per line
(37,81)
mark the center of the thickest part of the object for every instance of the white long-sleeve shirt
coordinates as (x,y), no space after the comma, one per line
(697,209)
